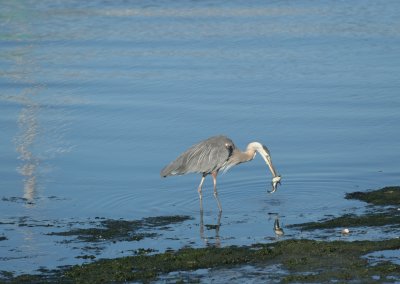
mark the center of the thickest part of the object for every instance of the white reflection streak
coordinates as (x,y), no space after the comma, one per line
(28,125)
(27,122)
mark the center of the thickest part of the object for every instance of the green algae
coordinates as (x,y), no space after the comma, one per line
(122,230)
(313,261)
(384,196)
(305,261)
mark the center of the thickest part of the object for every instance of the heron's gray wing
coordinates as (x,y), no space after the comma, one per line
(205,157)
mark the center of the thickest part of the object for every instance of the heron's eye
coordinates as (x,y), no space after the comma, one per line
(229,147)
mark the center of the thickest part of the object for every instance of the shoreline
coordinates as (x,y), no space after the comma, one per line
(300,260)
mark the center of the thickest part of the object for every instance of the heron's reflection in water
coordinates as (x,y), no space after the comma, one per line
(210,227)
(277,228)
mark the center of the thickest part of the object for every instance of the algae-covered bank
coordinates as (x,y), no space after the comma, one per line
(301,261)
(297,260)
(385,196)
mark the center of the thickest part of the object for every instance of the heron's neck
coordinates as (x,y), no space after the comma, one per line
(245,156)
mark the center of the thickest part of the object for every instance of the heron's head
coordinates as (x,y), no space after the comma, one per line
(264,153)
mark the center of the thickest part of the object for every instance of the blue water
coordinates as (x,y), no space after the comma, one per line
(96,98)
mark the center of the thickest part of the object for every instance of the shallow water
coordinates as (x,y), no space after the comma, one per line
(96,98)
(247,273)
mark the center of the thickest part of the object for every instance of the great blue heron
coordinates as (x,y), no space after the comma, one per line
(215,154)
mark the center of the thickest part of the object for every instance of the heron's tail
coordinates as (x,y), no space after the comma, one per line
(165,172)
(169,170)
(176,167)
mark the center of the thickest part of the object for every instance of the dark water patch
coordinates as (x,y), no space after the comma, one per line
(384,196)
(305,261)
(26,221)
(122,230)
(143,251)
(18,200)
(212,226)
(6,274)
(86,256)
(3,238)
(30,201)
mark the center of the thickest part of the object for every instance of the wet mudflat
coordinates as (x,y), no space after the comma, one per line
(291,260)
(122,230)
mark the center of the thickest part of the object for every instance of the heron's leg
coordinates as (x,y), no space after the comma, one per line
(202,236)
(200,186)
(214,175)
(217,238)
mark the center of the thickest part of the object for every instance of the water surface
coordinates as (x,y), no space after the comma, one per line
(95,98)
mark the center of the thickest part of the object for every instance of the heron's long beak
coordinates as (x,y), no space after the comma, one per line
(267,159)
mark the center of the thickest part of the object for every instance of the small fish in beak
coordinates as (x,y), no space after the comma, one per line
(275,181)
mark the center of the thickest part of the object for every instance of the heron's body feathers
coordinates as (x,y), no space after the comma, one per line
(205,157)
